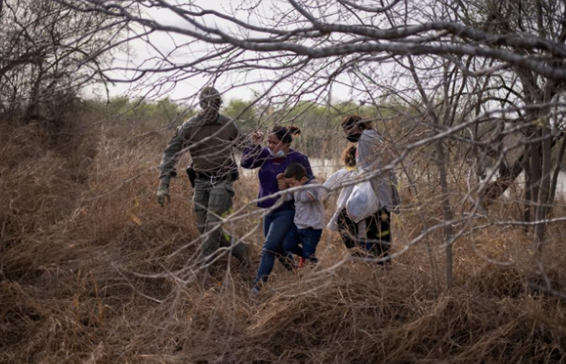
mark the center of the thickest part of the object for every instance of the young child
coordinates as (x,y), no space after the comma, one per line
(339,177)
(308,222)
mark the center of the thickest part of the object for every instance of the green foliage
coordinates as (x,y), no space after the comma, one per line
(321,134)
(244,112)
(161,112)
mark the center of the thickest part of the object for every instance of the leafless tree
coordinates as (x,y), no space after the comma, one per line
(48,52)
(472,81)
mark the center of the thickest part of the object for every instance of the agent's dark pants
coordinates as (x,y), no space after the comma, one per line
(212,201)
(378,232)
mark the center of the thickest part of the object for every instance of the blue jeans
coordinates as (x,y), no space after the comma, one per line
(302,242)
(276,225)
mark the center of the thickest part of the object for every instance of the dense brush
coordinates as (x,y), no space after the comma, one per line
(93,270)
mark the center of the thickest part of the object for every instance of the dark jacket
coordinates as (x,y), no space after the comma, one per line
(269,168)
(209,144)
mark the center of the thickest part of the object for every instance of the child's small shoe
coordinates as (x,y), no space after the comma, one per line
(302,262)
(254,292)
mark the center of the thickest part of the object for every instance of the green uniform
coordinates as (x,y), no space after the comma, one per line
(210,144)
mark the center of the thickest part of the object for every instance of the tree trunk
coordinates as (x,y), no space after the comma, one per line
(536,168)
(448,233)
(528,184)
(544,188)
(556,174)
(496,188)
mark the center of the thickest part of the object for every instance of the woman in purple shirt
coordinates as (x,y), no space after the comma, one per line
(272,162)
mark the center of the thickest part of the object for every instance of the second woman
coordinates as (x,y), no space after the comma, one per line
(272,162)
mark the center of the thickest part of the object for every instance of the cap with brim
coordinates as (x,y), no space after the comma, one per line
(209,94)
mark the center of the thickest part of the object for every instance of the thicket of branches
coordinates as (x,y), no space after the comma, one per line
(479,79)
(468,95)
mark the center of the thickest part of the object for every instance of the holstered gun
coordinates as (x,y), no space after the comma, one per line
(234,173)
(192,175)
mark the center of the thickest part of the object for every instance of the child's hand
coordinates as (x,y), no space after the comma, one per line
(281,182)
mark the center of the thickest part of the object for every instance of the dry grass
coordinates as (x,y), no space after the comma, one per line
(93,270)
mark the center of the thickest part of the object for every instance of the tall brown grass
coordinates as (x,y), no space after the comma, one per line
(94,271)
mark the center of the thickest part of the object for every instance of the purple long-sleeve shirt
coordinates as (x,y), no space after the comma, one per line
(269,168)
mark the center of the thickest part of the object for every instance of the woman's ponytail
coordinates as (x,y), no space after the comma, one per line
(286,134)
(294,130)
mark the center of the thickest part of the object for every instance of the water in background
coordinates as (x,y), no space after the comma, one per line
(323,167)
(560,184)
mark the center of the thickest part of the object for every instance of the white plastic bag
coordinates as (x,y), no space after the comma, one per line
(362,202)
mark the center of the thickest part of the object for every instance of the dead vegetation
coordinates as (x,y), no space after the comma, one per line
(92,270)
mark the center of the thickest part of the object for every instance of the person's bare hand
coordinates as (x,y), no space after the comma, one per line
(257,137)
(281,182)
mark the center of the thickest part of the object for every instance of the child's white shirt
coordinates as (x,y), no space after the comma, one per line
(337,178)
(309,211)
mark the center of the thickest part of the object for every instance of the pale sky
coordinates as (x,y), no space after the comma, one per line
(143,54)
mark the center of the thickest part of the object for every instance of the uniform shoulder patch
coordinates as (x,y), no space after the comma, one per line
(223,119)
(192,121)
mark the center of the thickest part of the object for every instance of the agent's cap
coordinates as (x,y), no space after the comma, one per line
(208,95)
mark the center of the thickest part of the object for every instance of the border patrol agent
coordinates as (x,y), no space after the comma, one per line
(371,155)
(210,138)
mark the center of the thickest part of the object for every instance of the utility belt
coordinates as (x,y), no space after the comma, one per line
(214,177)
(225,174)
